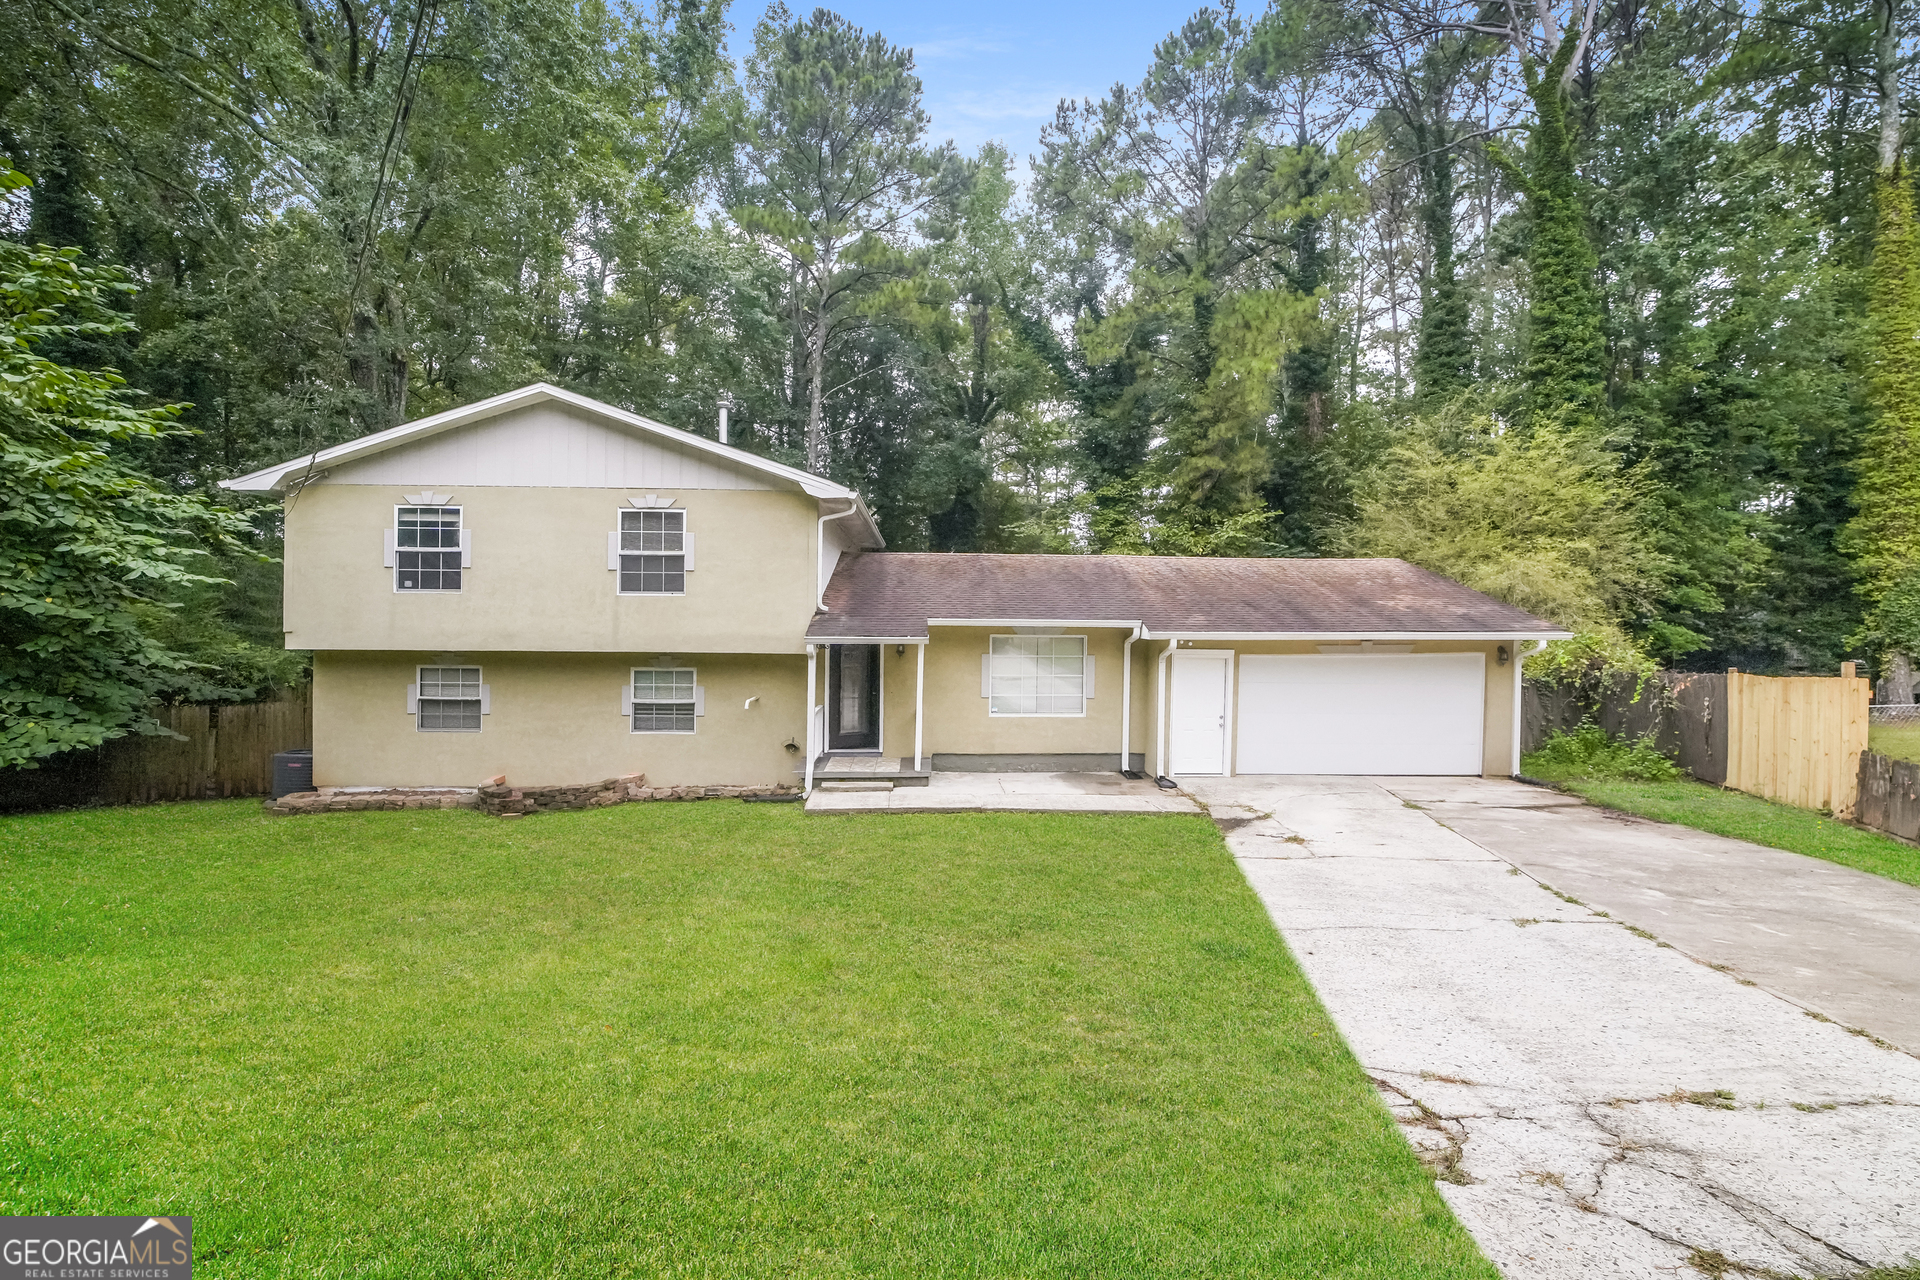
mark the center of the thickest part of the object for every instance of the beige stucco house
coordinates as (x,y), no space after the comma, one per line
(550,588)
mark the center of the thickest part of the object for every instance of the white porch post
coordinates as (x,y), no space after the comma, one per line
(1160,711)
(1520,656)
(919,704)
(1126,701)
(811,658)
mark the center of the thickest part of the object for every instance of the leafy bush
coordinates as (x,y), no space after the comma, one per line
(1587,752)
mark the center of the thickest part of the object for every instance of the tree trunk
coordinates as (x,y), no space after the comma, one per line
(1886,56)
(1898,687)
(816,378)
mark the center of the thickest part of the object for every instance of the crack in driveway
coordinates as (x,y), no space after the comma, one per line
(1592,1103)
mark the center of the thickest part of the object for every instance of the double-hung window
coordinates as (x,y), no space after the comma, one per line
(654,549)
(429,549)
(664,700)
(449,700)
(1037,676)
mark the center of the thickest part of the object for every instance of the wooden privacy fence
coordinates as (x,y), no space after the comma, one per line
(1798,739)
(221,751)
(1794,739)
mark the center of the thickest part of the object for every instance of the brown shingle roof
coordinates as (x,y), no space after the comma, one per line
(892,594)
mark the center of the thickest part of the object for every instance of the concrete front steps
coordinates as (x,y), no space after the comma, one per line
(894,771)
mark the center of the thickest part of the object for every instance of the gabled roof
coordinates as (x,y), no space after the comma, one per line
(897,594)
(276,478)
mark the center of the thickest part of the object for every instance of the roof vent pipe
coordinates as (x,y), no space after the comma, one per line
(726,403)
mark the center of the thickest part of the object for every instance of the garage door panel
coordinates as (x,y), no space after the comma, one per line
(1416,713)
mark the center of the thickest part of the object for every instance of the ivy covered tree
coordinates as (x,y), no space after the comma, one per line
(1885,535)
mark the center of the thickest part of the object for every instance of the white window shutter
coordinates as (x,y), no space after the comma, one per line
(626,699)
(466,548)
(686,540)
(699,699)
(388,560)
(413,699)
(986,675)
(1087,677)
(486,699)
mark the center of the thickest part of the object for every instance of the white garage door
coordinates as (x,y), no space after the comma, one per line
(1418,713)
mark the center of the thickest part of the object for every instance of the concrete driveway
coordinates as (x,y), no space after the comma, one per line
(1620,1045)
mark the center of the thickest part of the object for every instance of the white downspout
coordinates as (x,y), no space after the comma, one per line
(1520,657)
(1126,699)
(919,703)
(820,553)
(812,652)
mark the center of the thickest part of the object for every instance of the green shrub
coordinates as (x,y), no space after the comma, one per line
(1587,752)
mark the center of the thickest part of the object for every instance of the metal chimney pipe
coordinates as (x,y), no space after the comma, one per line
(726,403)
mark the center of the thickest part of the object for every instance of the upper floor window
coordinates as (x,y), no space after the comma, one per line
(429,549)
(448,700)
(654,553)
(1038,676)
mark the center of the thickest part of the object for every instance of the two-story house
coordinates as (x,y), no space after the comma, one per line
(548,587)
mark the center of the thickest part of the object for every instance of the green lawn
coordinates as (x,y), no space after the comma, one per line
(1902,741)
(704,1039)
(1744,817)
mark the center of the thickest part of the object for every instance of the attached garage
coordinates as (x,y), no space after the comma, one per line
(1367,713)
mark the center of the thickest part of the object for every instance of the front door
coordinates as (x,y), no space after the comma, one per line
(1199,712)
(853,697)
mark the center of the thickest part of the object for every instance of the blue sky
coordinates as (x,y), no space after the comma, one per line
(994,69)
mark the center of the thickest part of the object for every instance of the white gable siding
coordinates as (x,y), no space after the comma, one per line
(545,446)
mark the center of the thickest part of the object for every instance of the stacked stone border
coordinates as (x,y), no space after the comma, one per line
(497,798)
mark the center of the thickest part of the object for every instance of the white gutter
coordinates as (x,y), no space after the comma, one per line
(1328,636)
(1126,700)
(1520,657)
(820,553)
(1035,622)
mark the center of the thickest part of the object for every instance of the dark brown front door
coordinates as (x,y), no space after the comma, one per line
(853,697)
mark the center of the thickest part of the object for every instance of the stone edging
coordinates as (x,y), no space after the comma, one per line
(496,797)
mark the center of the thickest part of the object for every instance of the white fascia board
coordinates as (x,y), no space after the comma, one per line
(273,478)
(1358,635)
(866,639)
(1032,622)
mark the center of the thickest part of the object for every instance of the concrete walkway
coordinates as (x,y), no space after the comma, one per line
(1011,792)
(1595,1104)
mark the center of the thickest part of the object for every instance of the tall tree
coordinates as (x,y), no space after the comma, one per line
(833,176)
(86,540)
(1885,535)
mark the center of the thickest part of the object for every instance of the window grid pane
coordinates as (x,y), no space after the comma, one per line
(653,575)
(663,700)
(1037,676)
(653,530)
(427,540)
(449,700)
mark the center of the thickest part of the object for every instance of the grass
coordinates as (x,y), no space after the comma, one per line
(1744,817)
(1901,741)
(705,1040)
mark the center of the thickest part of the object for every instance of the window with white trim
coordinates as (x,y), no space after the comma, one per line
(654,551)
(449,700)
(429,549)
(664,700)
(1038,676)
